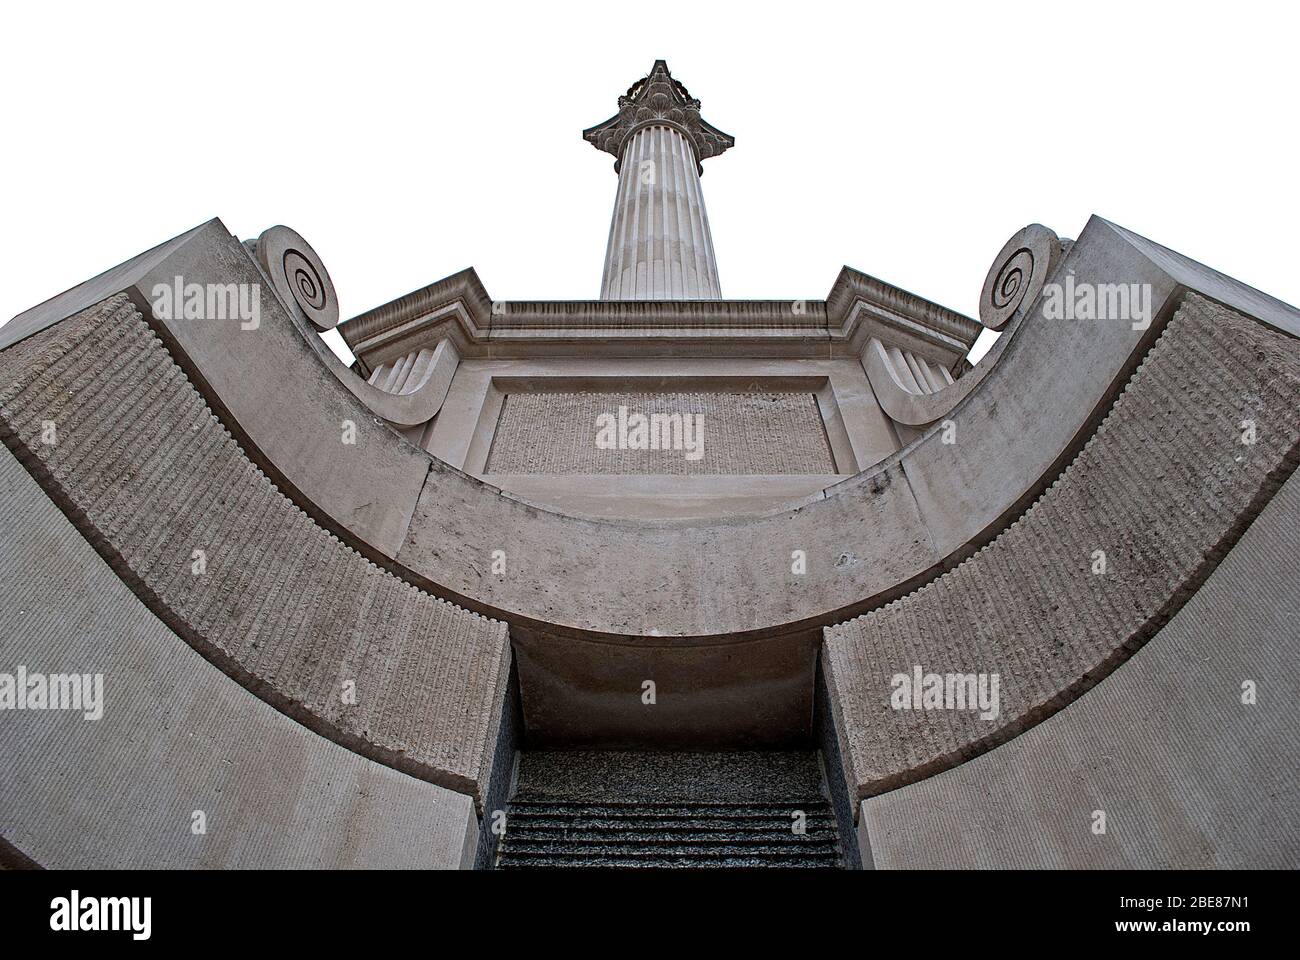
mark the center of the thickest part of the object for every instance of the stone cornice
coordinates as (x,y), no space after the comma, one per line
(859,307)
(420,318)
(803,316)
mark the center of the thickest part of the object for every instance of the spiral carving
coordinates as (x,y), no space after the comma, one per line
(298,275)
(1017,275)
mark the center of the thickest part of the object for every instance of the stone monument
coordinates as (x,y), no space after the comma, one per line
(655,579)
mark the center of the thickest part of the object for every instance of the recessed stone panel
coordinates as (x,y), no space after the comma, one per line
(660,433)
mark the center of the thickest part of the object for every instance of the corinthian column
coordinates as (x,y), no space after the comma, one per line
(660,247)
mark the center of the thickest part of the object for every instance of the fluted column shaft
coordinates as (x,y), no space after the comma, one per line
(660,247)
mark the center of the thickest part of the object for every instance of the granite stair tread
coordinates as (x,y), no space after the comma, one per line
(615,811)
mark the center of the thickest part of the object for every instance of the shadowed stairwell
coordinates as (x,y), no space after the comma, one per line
(669,810)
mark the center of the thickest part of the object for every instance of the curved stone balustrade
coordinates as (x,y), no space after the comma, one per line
(226,560)
(1163,490)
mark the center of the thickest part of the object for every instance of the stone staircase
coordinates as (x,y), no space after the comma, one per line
(669,810)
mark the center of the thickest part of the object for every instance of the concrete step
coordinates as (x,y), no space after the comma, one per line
(668,811)
(667,863)
(556,834)
(718,830)
(679,819)
(809,806)
(671,846)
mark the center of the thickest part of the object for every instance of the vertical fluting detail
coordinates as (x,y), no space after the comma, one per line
(659,247)
(659,242)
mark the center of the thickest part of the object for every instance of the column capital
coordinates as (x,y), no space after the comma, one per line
(658,100)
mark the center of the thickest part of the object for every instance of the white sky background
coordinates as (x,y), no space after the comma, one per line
(406,141)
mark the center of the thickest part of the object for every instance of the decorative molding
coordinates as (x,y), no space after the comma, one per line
(1018,274)
(686,320)
(910,389)
(297,275)
(861,306)
(411,389)
(658,99)
(421,318)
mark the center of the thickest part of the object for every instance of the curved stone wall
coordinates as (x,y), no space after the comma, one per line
(1188,775)
(151,476)
(663,584)
(1164,489)
(712,609)
(175,737)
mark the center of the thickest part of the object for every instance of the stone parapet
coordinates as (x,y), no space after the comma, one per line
(161,489)
(712,605)
(1094,568)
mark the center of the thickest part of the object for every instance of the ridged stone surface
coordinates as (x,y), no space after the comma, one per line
(176,736)
(1164,488)
(629,809)
(621,775)
(742,433)
(150,476)
(555,834)
(1188,775)
(660,247)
